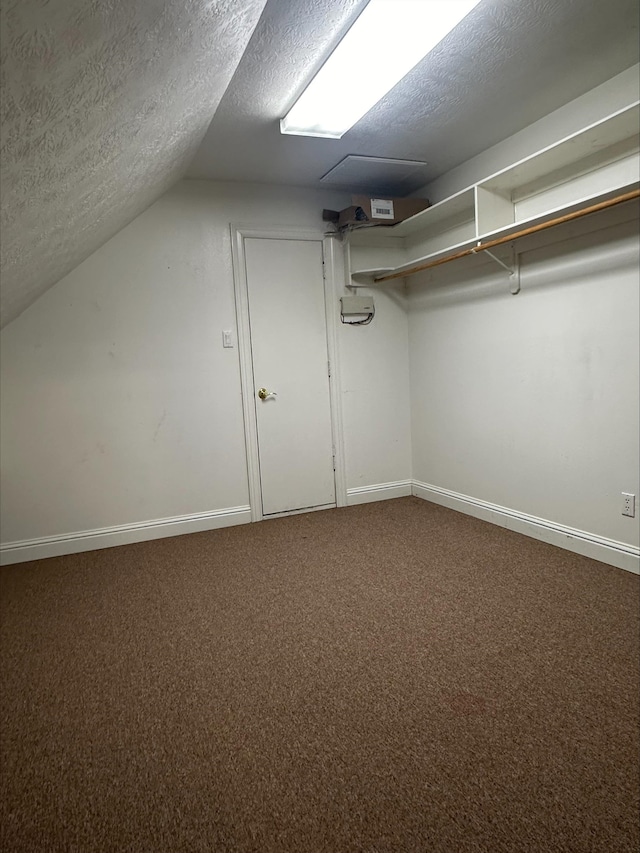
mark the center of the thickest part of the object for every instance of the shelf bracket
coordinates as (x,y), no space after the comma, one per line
(513,269)
(504,266)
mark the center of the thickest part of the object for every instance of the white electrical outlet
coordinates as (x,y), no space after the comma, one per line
(629,505)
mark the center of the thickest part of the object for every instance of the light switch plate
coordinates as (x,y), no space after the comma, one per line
(227,338)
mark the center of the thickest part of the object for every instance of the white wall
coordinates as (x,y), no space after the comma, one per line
(119,404)
(375,393)
(530,402)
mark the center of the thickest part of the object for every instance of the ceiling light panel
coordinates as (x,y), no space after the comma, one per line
(386,41)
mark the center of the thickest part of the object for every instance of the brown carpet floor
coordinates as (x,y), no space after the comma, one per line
(384,678)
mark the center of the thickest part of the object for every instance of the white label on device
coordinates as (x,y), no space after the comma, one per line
(382,208)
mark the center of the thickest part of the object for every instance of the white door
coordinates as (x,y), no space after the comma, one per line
(285,286)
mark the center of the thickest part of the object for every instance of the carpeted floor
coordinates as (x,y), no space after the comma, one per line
(392,677)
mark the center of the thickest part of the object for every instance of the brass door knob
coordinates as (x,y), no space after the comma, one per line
(263,393)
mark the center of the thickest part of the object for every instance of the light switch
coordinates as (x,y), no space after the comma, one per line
(227,338)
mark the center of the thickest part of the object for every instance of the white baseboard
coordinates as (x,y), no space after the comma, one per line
(125,534)
(379,492)
(609,551)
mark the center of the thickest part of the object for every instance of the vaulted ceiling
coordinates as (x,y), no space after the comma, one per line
(104,104)
(107,103)
(506,65)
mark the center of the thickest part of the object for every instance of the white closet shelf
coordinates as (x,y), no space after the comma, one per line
(452,208)
(368,276)
(594,165)
(560,210)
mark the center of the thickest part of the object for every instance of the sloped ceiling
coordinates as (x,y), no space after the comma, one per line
(104,104)
(509,63)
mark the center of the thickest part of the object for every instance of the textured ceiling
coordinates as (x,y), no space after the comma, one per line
(506,65)
(104,103)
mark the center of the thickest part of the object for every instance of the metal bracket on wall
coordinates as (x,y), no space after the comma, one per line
(513,269)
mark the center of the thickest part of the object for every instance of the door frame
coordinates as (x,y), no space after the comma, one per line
(332,268)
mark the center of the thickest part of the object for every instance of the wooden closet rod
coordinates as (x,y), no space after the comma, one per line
(568,217)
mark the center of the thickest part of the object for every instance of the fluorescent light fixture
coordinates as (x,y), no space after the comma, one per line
(386,41)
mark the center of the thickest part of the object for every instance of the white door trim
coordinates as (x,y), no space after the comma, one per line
(333,275)
(239,232)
